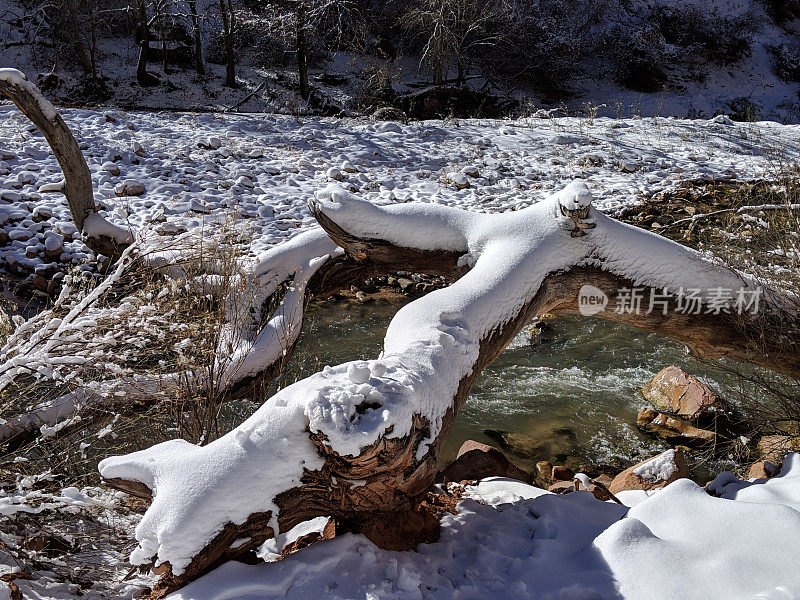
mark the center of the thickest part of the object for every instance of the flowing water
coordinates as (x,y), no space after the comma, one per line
(569,394)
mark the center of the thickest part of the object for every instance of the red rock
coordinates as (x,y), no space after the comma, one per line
(599,493)
(561,473)
(629,480)
(774,447)
(763,469)
(674,429)
(604,479)
(562,487)
(674,390)
(478,461)
(543,474)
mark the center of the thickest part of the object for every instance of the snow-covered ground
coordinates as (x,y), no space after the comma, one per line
(256,172)
(511,540)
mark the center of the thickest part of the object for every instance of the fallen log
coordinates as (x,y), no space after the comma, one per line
(360,442)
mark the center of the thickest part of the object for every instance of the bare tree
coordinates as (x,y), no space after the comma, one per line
(142,76)
(326,18)
(194,17)
(302,48)
(228,31)
(81,14)
(76,38)
(430,18)
(452,30)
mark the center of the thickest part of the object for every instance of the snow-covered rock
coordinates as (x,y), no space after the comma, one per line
(129,187)
(334,174)
(111,168)
(656,472)
(459,180)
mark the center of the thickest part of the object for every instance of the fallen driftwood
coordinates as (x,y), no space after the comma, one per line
(360,442)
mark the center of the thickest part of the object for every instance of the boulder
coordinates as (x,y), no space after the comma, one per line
(597,491)
(653,473)
(600,489)
(561,473)
(110,168)
(674,430)
(674,390)
(554,444)
(459,180)
(543,476)
(562,487)
(763,469)
(129,187)
(774,447)
(478,461)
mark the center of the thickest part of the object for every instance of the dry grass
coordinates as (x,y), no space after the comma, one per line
(147,327)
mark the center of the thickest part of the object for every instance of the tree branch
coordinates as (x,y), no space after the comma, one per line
(100,235)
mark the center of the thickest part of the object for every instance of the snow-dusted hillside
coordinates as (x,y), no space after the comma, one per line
(695,58)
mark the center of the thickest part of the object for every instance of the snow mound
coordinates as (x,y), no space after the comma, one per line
(521,542)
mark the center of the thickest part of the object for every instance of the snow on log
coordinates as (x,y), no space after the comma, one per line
(248,350)
(360,441)
(100,235)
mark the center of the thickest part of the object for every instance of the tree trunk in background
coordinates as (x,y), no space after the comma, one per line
(302,50)
(142,76)
(228,25)
(163,27)
(198,40)
(77,43)
(93,47)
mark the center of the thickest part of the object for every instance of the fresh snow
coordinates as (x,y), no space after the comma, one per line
(660,468)
(511,540)
(512,164)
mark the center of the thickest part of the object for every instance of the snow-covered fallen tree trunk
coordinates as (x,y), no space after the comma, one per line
(100,235)
(360,442)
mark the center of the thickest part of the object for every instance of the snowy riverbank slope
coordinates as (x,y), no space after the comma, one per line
(511,540)
(256,172)
(693,58)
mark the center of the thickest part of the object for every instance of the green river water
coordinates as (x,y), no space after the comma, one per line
(574,391)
